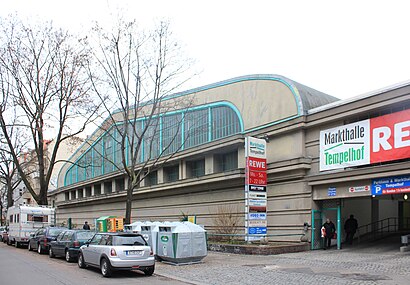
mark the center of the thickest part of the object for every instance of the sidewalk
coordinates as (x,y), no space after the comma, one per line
(346,266)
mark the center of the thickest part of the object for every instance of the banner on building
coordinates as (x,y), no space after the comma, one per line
(255,188)
(380,139)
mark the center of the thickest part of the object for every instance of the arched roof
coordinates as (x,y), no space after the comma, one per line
(306,97)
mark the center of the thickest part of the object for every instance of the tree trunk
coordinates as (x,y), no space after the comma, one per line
(10,200)
(128,202)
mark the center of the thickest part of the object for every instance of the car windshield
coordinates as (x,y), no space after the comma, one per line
(84,236)
(128,240)
(55,232)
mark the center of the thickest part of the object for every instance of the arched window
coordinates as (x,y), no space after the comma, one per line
(165,135)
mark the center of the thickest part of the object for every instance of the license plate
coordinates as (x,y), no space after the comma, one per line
(133,252)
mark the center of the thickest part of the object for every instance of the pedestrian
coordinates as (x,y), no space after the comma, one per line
(86,226)
(329,230)
(351,226)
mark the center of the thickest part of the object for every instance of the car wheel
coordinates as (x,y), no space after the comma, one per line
(8,242)
(150,270)
(39,250)
(16,244)
(51,253)
(81,262)
(68,257)
(29,247)
(105,267)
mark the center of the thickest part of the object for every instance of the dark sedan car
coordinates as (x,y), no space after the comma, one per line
(41,239)
(68,243)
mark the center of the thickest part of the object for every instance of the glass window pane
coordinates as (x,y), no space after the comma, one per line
(196,128)
(225,122)
(151,140)
(108,144)
(171,133)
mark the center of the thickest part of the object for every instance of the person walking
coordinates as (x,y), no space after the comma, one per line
(86,226)
(328,230)
(350,227)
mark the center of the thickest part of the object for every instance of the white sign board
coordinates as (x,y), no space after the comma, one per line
(345,146)
(359,189)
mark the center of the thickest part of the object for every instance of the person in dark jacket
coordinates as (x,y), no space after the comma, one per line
(329,230)
(86,226)
(350,229)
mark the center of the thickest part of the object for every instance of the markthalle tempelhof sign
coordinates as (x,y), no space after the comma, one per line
(374,140)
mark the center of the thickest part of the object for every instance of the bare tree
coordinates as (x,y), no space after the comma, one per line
(227,221)
(44,81)
(8,174)
(139,71)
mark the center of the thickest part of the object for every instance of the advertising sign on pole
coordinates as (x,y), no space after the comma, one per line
(255,188)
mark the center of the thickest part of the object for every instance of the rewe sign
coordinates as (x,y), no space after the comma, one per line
(374,140)
(255,188)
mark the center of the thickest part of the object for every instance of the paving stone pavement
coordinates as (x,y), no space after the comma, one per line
(373,265)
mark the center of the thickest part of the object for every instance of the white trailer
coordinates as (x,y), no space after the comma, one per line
(24,220)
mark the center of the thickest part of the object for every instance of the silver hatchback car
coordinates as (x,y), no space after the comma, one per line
(117,251)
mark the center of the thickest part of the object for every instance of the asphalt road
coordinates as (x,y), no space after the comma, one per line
(18,266)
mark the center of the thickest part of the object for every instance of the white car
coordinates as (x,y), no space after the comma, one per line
(117,251)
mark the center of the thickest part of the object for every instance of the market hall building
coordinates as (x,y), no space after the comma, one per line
(326,158)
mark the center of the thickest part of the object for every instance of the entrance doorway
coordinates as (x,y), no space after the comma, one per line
(329,209)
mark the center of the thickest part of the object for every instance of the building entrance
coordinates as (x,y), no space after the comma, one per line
(329,209)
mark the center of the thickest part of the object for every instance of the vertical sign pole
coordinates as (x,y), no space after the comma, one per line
(255,189)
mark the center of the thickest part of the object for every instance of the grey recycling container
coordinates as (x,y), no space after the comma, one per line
(181,243)
(150,232)
(135,227)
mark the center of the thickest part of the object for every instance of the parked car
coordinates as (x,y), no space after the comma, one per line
(68,243)
(117,251)
(3,233)
(41,239)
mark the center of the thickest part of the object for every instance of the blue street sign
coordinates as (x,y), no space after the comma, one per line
(331,191)
(391,185)
(257,231)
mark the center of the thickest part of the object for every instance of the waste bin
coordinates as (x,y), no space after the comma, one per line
(198,240)
(110,224)
(181,243)
(134,227)
(102,223)
(150,233)
(115,224)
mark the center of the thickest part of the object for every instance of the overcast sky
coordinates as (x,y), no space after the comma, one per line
(343,48)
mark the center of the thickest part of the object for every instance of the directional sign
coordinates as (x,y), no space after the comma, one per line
(391,185)
(331,191)
(257,216)
(257,188)
(257,223)
(257,202)
(257,231)
(256,195)
(359,189)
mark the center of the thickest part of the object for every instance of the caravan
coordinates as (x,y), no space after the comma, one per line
(24,220)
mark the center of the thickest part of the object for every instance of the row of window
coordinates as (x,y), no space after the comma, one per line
(164,135)
(196,168)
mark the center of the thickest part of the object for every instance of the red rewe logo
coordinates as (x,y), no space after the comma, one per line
(390,137)
(256,164)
